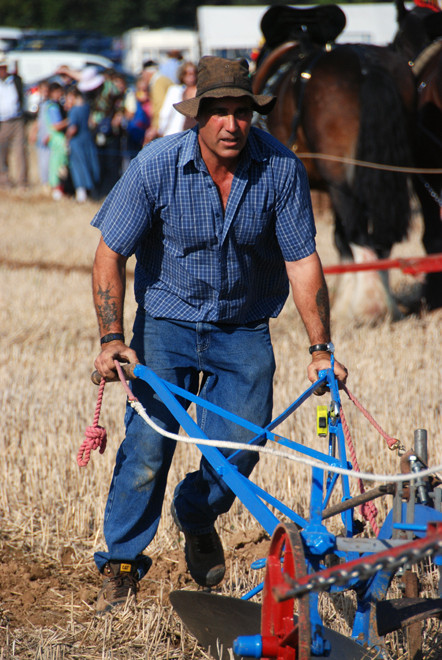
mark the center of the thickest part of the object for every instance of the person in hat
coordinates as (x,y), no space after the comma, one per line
(13,143)
(219,218)
(171,65)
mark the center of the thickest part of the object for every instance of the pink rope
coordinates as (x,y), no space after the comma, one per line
(391,442)
(96,437)
(122,378)
(368,509)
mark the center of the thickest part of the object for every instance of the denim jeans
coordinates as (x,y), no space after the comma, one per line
(229,365)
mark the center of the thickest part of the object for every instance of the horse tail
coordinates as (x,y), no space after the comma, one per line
(382,196)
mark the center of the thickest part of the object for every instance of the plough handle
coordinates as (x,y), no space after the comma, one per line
(127,368)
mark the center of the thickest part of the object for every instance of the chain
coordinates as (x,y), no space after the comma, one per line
(359,569)
(437,198)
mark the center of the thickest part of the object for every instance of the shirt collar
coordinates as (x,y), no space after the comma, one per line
(191,151)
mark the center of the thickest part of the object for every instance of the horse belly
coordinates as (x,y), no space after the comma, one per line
(331,127)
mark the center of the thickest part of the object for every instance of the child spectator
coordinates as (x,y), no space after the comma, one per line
(56,124)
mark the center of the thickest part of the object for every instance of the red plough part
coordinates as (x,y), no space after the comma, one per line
(362,568)
(286,582)
(285,563)
(411,266)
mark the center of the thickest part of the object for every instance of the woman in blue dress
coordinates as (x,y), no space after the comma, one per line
(83,157)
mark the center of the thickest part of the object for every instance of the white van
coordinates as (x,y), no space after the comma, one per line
(141,44)
(36,65)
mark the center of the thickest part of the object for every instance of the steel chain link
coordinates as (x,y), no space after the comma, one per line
(364,571)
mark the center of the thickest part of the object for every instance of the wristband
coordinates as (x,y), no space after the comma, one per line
(112,336)
(322,347)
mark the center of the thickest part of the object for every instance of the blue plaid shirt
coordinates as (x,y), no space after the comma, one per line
(193,261)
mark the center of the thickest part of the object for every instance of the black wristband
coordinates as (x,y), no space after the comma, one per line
(112,336)
(322,347)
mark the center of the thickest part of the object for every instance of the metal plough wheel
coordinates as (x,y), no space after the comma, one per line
(281,638)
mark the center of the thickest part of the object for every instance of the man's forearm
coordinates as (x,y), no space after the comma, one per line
(108,287)
(310,294)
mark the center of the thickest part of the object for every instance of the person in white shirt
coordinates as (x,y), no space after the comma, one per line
(171,121)
(12,127)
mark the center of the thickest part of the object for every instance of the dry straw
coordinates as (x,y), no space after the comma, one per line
(52,512)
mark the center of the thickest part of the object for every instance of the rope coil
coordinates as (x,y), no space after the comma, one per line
(96,436)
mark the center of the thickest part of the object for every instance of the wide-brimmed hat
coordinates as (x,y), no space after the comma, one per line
(90,79)
(219,77)
(3,60)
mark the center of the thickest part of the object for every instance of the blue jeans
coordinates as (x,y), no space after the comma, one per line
(236,364)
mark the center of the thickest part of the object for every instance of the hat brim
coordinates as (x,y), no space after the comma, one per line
(262,103)
(90,85)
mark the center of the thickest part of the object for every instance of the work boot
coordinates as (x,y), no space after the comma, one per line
(204,555)
(120,581)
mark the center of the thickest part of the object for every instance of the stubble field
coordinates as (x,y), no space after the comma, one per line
(51,511)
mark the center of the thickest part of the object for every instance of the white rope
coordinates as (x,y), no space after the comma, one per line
(228,444)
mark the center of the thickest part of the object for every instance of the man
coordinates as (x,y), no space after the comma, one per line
(12,127)
(220,220)
(171,65)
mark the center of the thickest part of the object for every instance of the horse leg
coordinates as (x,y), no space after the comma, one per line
(364,295)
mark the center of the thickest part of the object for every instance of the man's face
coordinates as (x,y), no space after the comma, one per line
(3,71)
(224,125)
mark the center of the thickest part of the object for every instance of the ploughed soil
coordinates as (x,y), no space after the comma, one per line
(39,592)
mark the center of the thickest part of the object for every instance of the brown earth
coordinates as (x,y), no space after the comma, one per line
(38,592)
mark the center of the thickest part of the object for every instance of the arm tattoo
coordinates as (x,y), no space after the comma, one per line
(107,312)
(323,305)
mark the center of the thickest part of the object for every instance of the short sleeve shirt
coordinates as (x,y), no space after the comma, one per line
(195,262)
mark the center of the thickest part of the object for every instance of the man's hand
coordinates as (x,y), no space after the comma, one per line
(322,360)
(113,350)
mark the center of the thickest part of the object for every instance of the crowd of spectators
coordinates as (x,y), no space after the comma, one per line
(92,123)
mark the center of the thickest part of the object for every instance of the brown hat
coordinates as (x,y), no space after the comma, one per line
(217,78)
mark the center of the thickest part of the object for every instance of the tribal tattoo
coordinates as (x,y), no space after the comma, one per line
(107,312)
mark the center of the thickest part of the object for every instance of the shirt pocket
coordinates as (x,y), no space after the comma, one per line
(251,228)
(184,233)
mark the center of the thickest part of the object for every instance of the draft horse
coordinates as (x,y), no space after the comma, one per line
(344,105)
(419,39)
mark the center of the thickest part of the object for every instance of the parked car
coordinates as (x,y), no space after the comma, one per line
(78,41)
(9,38)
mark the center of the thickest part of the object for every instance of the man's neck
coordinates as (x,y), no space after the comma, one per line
(217,167)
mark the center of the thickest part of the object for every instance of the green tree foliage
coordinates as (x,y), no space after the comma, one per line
(114,16)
